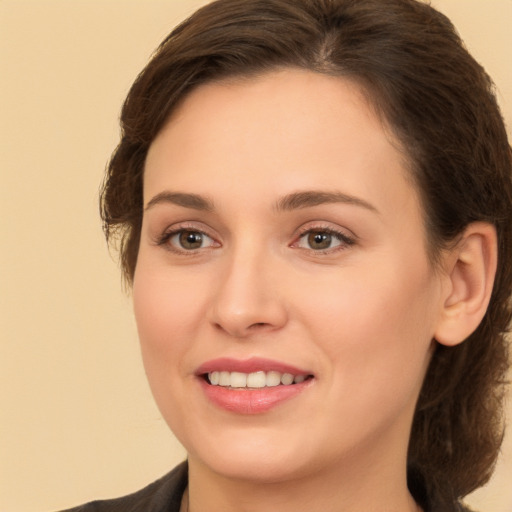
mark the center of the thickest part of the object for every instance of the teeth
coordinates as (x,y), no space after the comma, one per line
(287,379)
(238,380)
(253,380)
(256,380)
(225,379)
(273,379)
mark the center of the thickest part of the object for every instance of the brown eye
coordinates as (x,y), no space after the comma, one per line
(323,240)
(319,240)
(189,240)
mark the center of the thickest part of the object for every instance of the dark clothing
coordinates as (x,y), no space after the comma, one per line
(165,495)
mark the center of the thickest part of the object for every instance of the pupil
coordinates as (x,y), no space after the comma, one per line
(320,240)
(191,240)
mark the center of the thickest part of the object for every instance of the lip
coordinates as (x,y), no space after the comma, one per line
(254,364)
(250,401)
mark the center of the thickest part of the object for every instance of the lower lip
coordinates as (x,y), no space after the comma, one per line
(252,401)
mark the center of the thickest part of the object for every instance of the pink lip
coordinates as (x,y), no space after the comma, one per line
(250,401)
(254,364)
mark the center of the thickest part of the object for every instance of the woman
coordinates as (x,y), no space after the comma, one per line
(314,203)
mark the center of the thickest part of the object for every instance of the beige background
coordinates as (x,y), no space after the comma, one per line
(77,419)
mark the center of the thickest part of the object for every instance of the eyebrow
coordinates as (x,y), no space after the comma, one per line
(193,201)
(309,198)
(290,202)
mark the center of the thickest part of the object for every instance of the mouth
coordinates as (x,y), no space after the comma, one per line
(251,386)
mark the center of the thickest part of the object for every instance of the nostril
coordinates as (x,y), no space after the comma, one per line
(258,325)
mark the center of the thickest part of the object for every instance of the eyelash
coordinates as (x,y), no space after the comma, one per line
(343,238)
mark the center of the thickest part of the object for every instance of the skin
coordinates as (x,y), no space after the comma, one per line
(359,316)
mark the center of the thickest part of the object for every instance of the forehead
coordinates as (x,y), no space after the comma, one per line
(289,128)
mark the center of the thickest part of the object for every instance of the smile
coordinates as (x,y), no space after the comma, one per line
(252,386)
(253,380)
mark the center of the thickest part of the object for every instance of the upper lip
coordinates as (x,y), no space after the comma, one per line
(254,364)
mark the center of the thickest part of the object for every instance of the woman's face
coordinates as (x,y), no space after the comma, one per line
(282,235)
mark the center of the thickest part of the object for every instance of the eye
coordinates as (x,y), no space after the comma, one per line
(186,240)
(318,240)
(323,240)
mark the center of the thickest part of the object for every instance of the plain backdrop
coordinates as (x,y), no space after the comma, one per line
(77,418)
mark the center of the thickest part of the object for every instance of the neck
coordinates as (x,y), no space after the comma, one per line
(345,487)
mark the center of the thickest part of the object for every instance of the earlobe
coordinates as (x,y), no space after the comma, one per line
(470,271)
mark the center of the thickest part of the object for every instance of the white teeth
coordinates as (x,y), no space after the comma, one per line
(256,380)
(225,379)
(287,379)
(238,380)
(253,380)
(273,379)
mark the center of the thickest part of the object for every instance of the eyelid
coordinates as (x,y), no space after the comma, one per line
(323,225)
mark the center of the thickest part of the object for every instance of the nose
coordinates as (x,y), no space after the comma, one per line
(247,299)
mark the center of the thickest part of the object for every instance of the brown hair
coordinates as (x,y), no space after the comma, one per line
(440,104)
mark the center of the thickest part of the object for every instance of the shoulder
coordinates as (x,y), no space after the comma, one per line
(164,495)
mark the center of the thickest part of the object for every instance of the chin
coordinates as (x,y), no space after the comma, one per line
(260,469)
(251,457)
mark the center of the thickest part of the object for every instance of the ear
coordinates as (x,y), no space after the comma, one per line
(470,268)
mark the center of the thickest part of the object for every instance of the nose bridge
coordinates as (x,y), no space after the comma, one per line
(246,298)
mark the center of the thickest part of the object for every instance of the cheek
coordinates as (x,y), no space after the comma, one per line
(164,305)
(166,319)
(165,316)
(375,327)
(389,303)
